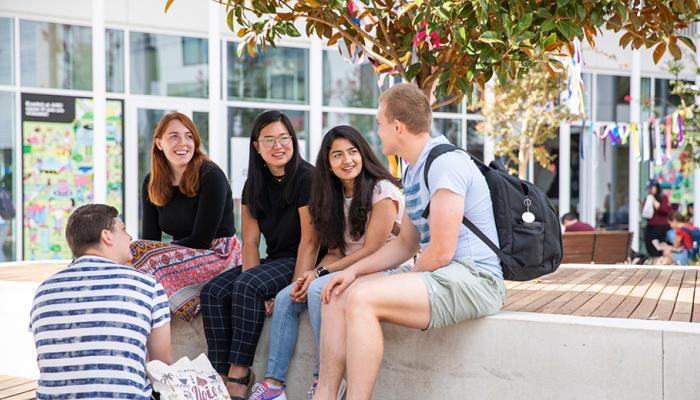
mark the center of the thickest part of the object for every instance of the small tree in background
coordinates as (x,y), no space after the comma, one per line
(524,115)
(689,109)
(448,46)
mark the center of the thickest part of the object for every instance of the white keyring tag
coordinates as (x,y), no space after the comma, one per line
(528,217)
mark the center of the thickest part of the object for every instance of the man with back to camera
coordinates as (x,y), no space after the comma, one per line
(456,276)
(572,224)
(97,322)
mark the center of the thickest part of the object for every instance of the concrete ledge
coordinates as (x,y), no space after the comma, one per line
(517,356)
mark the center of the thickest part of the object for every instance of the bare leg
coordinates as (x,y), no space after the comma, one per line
(400,299)
(332,348)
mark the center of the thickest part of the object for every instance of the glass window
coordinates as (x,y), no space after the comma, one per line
(158,66)
(6,52)
(455,107)
(665,102)
(547,178)
(349,85)
(575,174)
(56,55)
(7,167)
(201,121)
(475,141)
(364,123)
(451,128)
(114,60)
(612,180)
(613,98)
(278,75)
(645,99)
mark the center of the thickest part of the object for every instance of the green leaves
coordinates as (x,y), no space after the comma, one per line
(460,44)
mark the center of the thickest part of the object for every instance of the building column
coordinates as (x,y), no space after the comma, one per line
(635,117)
(315,125)
(489,142)
(564,168)
(217,136)
(99,102)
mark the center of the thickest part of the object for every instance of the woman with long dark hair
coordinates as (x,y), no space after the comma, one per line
(188,197)
(275,205)
(356,206)
(657,225)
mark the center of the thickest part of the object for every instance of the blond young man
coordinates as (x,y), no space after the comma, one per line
(455,277)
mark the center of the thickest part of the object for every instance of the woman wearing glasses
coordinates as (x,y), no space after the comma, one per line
(275,205)
(188,197)
(356,206)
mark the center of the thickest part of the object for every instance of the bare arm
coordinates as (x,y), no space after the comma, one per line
(251,239)
(308,245)
(393,253)
(381,221)
(158,344)
(446,211)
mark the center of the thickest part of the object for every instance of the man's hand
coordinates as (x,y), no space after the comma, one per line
(337,284)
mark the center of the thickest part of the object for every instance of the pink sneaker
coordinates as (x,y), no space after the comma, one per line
(262,391)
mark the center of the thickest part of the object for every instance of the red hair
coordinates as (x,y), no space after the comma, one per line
(159,186)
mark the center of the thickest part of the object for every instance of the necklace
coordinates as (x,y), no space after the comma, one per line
(279,178)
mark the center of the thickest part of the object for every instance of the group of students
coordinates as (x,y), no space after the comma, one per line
(345,240)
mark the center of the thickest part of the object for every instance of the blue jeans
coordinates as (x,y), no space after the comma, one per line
(285,327)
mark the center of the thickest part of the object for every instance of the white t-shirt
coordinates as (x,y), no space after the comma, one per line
(382,190)
(90,323)
(456,172)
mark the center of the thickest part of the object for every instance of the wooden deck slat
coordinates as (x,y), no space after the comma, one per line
(582,298)
(683,309)
(603,294)
(23,396)
(667,301)
(619,295)
(24,388)
(534,286)
(696,301)
(553,306)
(554,291)
(636,296)
(11,383)
(517,303)
(647,306)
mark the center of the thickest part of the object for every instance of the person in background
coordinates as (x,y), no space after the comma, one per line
(572,224)
(188,197)
(657,225)
(96,322)
(683,246)
(276,207)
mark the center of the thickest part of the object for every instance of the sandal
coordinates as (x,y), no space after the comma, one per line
(247,381)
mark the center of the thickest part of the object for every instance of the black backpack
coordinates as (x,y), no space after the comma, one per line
(527,250)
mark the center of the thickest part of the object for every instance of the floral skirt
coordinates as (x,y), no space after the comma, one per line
(183,271)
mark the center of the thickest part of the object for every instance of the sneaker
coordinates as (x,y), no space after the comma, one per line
(312,390)
(261,391)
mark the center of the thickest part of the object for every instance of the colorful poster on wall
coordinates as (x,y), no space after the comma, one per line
(677,184)
(58,167)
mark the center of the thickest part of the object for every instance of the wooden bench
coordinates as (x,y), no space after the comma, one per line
(601,247)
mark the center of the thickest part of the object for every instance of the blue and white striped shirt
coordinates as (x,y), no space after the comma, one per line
(90,323)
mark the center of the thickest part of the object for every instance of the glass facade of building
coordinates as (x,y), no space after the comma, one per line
(146,70)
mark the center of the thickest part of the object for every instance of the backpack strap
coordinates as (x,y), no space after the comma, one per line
(436,152)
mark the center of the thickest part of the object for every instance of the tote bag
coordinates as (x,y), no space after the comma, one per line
(648,208)
(187,380)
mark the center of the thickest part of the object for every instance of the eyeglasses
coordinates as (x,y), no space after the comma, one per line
(269,142)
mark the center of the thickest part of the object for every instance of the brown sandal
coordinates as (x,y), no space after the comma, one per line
(246,381)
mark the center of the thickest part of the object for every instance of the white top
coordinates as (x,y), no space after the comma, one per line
(90,323)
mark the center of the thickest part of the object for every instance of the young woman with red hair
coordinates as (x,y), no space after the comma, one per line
(188,197)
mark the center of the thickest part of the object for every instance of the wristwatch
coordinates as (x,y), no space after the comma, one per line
(321,271)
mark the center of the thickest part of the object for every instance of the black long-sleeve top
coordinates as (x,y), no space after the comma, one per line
(192,222)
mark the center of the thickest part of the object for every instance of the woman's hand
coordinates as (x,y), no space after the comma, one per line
(269,306)
(301,285)
(337,284)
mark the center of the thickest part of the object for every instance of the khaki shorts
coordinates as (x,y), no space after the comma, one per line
(459,291)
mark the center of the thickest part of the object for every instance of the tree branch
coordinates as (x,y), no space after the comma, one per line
(372,39)
(390,42)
